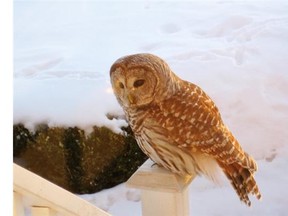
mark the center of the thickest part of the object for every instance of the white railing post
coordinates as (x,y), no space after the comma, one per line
(18,208)
(41,211)
(162,192)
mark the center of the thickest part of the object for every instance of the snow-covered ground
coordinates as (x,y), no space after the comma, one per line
(237,51)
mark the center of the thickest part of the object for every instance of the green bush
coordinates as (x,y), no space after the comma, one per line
(76,161)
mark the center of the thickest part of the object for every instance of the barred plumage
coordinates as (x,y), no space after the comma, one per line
(177,125)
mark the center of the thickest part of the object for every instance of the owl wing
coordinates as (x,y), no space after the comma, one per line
(197,126)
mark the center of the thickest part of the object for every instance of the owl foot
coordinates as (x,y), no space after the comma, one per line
(155,164)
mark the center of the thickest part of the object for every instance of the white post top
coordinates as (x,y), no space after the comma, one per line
(153,177)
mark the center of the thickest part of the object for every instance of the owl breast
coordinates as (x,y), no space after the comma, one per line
(154,135)
(157,147)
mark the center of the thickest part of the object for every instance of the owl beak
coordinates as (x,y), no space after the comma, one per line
(131,99)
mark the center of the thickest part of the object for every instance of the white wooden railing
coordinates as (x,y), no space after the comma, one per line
(162,193)
(46,198)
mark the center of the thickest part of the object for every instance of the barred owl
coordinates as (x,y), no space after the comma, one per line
(177,125)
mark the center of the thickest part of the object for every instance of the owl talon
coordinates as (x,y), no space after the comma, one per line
(155,164)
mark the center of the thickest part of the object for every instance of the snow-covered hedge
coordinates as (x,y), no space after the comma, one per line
(78,162)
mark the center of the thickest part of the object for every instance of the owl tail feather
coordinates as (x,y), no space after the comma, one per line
(242,180)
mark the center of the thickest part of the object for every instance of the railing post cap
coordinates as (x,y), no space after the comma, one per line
(152,177)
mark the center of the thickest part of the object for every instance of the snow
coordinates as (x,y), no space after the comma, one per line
(65,102)
(237,51)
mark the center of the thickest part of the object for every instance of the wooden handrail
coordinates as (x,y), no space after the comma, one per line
(47,198)
(162,193)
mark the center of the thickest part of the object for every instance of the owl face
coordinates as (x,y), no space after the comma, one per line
(135,86)
(142,79)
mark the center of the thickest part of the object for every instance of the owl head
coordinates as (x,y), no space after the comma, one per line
(141,79)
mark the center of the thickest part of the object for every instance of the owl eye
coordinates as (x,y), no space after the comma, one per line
(138,83)
(121,85)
